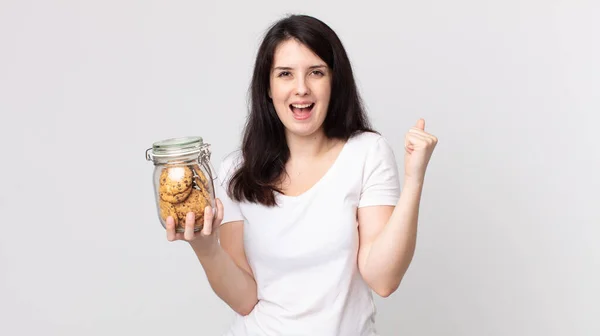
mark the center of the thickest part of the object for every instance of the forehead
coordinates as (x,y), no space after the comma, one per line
(291,53)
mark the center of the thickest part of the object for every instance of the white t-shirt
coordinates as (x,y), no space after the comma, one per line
(303,252)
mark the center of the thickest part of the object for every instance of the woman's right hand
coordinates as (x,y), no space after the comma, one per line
(201,240)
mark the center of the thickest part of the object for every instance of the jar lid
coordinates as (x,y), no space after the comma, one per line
(175,147)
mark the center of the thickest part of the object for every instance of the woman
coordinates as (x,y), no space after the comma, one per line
(310,219)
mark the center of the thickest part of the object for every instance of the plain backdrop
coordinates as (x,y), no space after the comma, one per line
(509,230)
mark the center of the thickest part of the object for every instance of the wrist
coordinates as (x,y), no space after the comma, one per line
(205,247)
(413,182)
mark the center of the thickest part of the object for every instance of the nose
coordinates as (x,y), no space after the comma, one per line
(302,88)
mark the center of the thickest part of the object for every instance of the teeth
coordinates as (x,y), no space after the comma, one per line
(301,106)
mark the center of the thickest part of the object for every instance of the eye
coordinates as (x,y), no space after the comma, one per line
(318,73)
(283,74)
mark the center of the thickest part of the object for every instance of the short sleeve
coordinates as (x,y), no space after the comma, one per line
(231,208)
(381,181)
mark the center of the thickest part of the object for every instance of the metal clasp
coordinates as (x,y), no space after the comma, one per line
(204,152)
(204,160)
(148,155)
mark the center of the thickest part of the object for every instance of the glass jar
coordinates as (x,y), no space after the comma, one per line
(183,180)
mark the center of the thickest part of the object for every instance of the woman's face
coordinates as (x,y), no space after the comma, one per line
(300,87)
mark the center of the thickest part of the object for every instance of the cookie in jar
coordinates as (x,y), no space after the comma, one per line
(183,180)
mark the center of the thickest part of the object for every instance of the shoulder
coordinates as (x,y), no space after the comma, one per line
(366,138)
(370,143)
(373,154)
(229,164)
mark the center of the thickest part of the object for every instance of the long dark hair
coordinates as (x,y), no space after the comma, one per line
(264,147)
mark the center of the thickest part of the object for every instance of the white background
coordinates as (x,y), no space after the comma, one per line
(508,239)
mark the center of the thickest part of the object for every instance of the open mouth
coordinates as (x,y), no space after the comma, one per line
(301,111)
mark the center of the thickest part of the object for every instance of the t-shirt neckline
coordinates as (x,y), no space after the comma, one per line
(322,180)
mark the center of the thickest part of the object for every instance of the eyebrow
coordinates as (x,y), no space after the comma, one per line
(289,68)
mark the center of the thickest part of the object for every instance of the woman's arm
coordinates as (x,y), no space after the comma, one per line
(227,268)
(387,240)
(388,234)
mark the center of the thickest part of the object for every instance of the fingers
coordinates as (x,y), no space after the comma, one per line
(421,124)
(171,234)
(212,218)
(208,220)
(415,130)
(416,140)
(188,233)
(419,138)
(419,128)
(220,212)
(408,146)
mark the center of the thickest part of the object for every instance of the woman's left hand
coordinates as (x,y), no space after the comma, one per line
(419,146)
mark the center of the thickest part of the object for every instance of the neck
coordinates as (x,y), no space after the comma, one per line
(309,147)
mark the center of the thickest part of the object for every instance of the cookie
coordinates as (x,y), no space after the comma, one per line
(167,209)
(198,225)
(177,198)
(196,202)
(199,178)
(175,180)
(201,182)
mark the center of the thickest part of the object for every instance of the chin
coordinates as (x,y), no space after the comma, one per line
(302,131)
(304,128)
